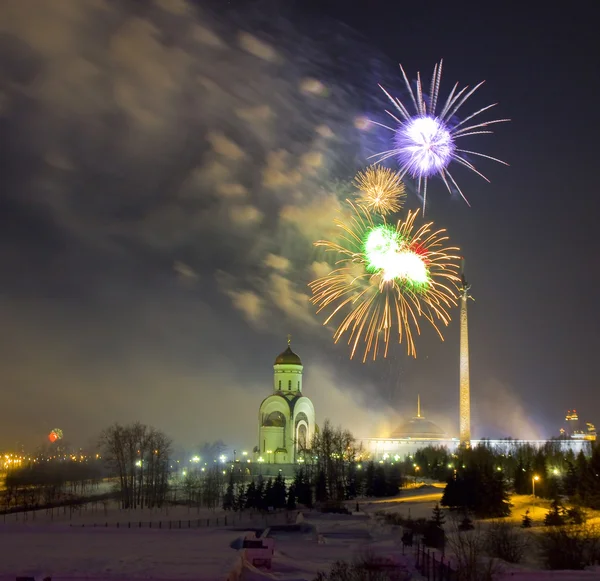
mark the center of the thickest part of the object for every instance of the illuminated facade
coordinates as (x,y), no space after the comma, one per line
(576,429)
(384,448)
(286,418)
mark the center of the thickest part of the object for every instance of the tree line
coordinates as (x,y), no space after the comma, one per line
(480,480)
(48,484)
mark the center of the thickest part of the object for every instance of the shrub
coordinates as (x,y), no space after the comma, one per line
(434,536)
(576,516)
(526,521)
(556,515)
(365,568)
(335,508)
(570,547)
(505,541)
(470,561)
(466,524)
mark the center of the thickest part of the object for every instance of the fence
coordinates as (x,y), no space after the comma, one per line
(432,568)
(227,520)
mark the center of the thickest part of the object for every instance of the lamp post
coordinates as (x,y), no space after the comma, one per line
(534,479)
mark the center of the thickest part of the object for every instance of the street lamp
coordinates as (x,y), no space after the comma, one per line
(534,479)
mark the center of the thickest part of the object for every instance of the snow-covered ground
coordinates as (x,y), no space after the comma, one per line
(60,547)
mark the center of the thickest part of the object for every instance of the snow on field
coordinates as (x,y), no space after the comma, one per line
(58,546)
(99,514)
(65,552)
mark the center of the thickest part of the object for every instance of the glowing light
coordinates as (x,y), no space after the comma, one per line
(425,146)
(381,190)
(388,277)
(195,459)
(425,142)
(55,435)
(223,458)
(382,243)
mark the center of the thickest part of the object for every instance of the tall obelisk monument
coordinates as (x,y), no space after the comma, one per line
(465,387)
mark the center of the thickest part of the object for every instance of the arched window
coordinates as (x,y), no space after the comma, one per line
(290,384)
(280,384)
(302,437)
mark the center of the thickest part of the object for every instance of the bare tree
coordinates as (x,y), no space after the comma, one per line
(332,450)
(139,456)
(469,551)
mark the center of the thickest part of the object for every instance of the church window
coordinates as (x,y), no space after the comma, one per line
(298,385)
(290,384)
(280,384)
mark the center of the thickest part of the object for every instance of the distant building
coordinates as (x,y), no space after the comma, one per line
(286,418)
(417,433)
(575,429)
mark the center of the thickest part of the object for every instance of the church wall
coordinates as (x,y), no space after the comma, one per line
(304,413)
(287,378)
(273,439)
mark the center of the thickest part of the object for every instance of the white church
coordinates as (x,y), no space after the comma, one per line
(286,418)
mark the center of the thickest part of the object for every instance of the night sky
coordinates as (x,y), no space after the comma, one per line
(166,167)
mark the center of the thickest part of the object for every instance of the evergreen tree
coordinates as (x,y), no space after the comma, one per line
(555,516)
(542,486)
(581,468)
(526,521)
(352,482)
(466,524)
(521,480)
(303,489)
(571,480)
(291,498)
(279,492)
(370,479)
(229,496)
(481,490)
(260,494)
(592,480)
(393,480)
(251,501)
(437,516)
(268,500)
(241,498)
(380,486)
(321,487)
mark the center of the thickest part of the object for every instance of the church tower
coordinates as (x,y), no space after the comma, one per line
(465,386)
(286,418)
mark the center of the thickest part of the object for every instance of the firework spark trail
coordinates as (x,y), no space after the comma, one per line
(425,142)
(381,190)
(379,305)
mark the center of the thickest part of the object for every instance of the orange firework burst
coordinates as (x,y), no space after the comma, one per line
(388,277)
(381,190)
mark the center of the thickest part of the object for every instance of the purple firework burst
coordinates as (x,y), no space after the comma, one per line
(425,143)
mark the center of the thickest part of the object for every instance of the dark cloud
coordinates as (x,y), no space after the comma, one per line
(166,168)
